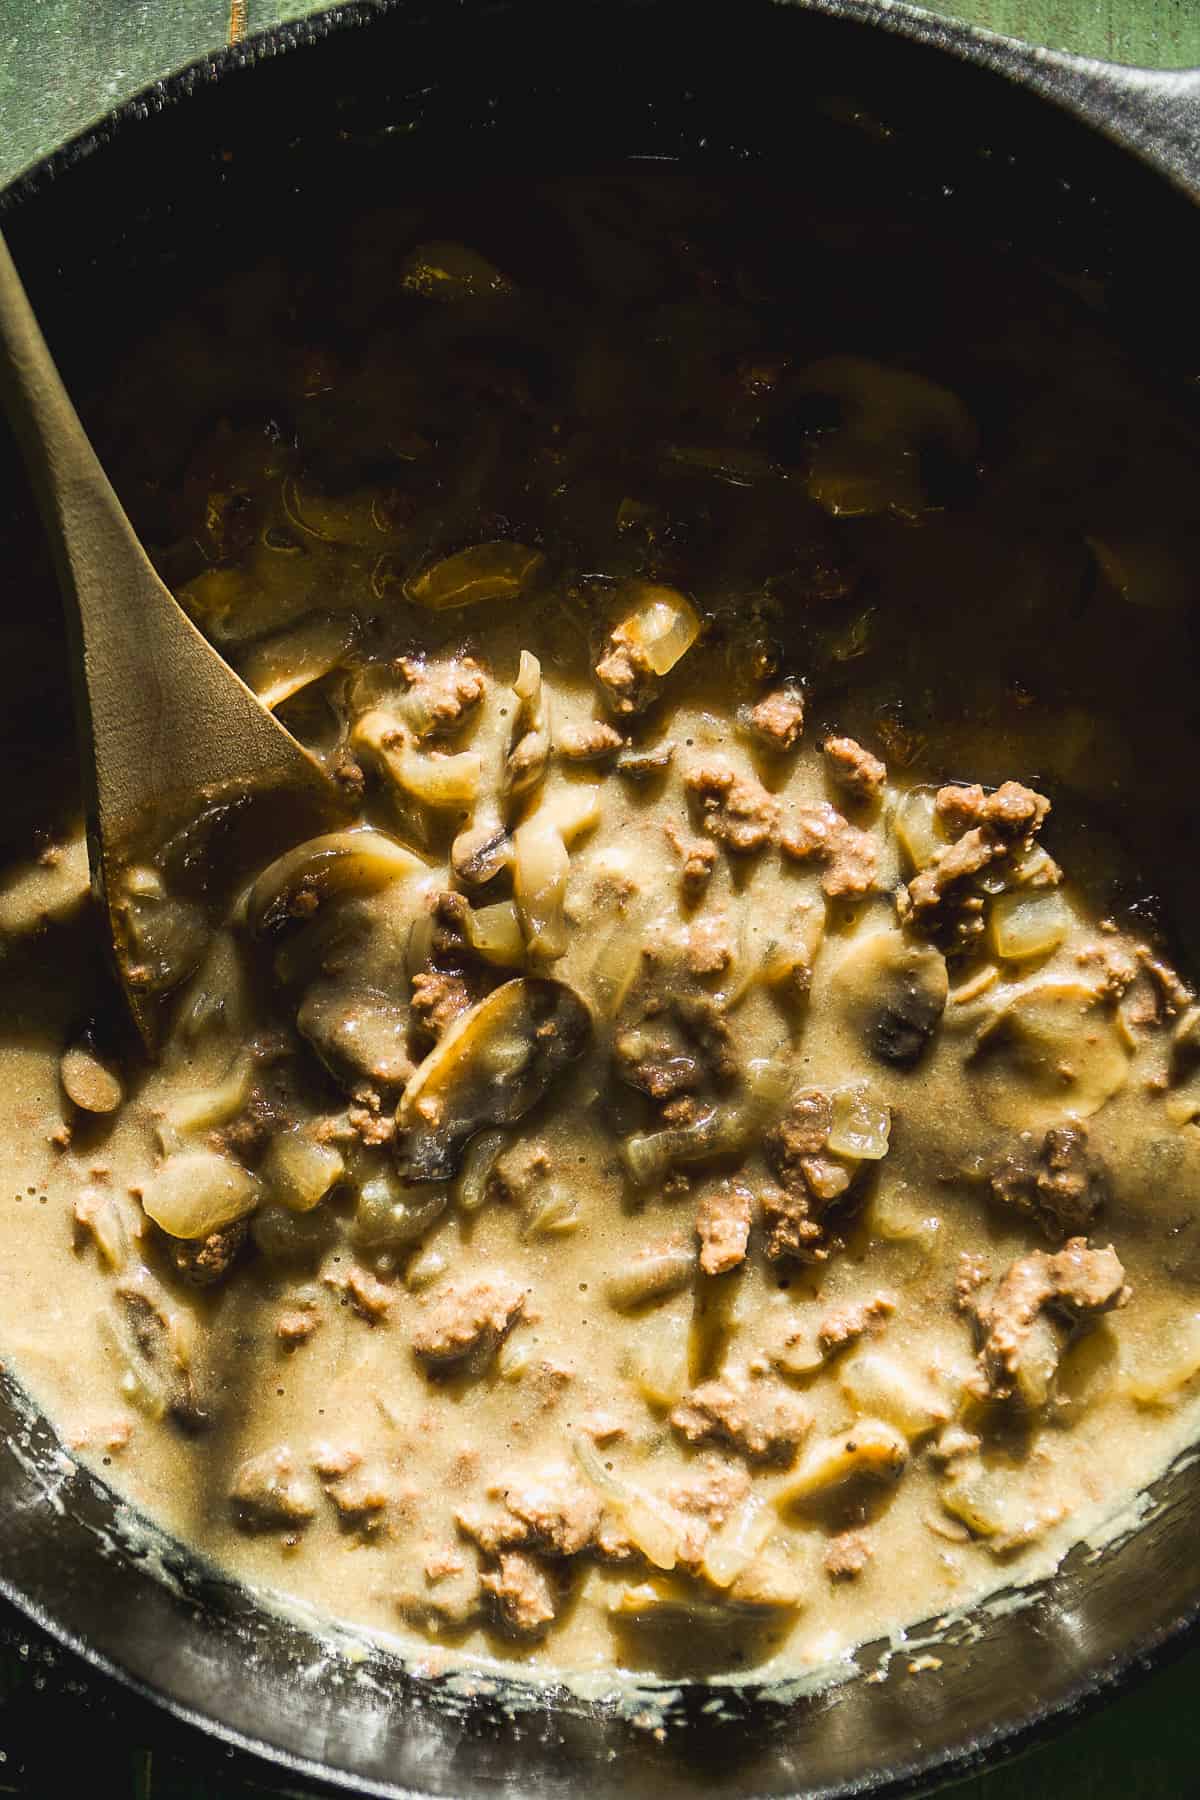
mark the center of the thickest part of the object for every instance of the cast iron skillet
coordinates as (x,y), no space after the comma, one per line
(204,168)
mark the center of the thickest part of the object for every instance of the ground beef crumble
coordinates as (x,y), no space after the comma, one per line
(525,1600)
(625,674)
(474,1319)
(854,769)
(847,1555)
(1077,1284)
(777,720)
(820,834)
(942,901)
(723,1226)
(735,809)
(203,1262)
(1060,1183)
(845,1324)
(761,1419)
(587,743)
(442,692)
(438,998)
(698,858)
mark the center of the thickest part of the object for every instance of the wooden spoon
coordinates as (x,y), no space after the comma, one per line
(167,730)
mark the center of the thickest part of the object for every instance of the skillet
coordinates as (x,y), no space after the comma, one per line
(270,141)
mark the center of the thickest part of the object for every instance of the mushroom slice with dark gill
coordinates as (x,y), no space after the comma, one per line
(490,1068)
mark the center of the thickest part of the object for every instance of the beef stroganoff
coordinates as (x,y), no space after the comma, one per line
(694,1170)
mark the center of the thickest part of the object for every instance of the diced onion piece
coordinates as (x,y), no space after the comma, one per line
(435,780)
(650,1276)
(88,1082)
(280,666)
(861,1125)
(670,1602)
(98,1212)
(898,1217)
(196,1192)
(479,1160)
(140,1383)
(431,777)
(917,828)
(206,1109)
(870,1448)
(426,1267)
(514,1358)
(541,864)
(1025,923)
(738,1542)
(992,1505)
(390,1212)
(657,1360)
(494,932)
(164,937)
(499,571)
(299,1171)
(1182,1104)
(1037,1365)
(553,1212)
(664,626)
(796,1350)
(649,1530)
(876,1383)
(617,963)
(527,685)
(1156,1374)
(649,1154)
(769,1081)
(570,809)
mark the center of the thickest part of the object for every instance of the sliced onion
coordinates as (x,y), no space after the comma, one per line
(649,1530)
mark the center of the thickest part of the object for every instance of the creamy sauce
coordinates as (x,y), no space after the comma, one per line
(543,1236)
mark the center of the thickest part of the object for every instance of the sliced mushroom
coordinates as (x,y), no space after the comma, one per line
(89,1082)
(499,571)
(339,862)
(894,994)
(280,666)
(358,1032)
(492,1065)
(1055,1050)
(871,462)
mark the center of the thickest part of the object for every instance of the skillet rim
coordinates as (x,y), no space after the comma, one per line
(1099,95)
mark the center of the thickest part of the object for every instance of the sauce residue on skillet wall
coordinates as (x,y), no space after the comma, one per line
(701,1170)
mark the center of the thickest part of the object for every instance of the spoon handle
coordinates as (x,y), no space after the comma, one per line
(166,728)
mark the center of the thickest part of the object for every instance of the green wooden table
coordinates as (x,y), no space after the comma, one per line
(62,64)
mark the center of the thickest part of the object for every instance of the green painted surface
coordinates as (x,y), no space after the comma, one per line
(63,63)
